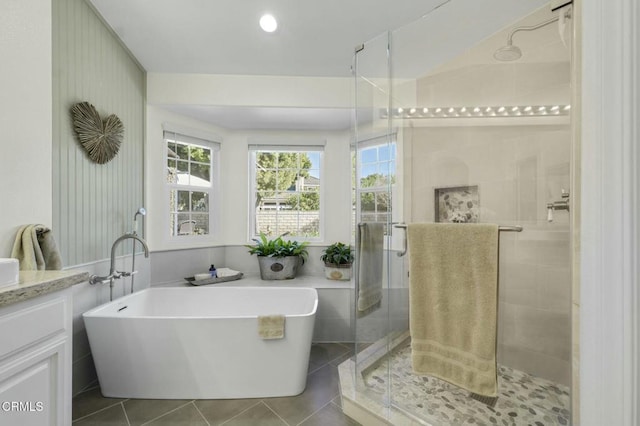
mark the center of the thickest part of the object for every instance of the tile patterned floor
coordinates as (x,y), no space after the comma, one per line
(318,405)
(523,399)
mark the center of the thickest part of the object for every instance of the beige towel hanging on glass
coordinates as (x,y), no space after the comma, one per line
(370,255)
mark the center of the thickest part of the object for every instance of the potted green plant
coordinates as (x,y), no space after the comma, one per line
(337,258)
(278,259)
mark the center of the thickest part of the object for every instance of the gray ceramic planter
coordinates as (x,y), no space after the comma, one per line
(278,268)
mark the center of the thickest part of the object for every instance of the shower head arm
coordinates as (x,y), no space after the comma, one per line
(529,28)
(567,14)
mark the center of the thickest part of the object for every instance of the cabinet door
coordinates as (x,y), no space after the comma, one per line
(32,387)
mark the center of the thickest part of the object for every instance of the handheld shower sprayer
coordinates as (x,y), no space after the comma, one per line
(141,211)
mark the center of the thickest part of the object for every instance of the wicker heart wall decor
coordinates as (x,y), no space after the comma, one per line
(101,138)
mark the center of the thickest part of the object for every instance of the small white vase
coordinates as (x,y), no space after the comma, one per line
(337,272)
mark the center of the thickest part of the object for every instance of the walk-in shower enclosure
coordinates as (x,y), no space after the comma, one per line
(438,117)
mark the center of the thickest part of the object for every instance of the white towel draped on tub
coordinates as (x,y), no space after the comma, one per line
(370,257)
(226,272)
(271,326)
(453,303)
(35,249)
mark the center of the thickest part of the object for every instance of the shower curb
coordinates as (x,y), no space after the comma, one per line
(360,406)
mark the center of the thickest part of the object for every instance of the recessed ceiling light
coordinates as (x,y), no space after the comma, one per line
(268,23)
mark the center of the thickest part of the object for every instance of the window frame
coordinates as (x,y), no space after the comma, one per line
(390,188)
(253,149)
(212,191)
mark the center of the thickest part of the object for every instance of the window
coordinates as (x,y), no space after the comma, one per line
(376,173)
(286,191)
(191,167)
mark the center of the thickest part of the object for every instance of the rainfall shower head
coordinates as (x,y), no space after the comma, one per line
(511,52)
(508,53)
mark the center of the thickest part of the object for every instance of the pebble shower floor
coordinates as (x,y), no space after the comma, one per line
(523,399)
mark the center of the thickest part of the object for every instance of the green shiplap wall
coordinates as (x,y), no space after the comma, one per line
(93,204)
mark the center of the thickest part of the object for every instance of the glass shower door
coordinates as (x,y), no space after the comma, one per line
(373,159)
(438,114)
(488,140)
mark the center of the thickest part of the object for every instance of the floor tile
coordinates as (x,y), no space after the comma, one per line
(342,358)
(259,414)
(330,414)
(113,416)
(337,400)
(140,411)
(522,399)
(322,387)
(185,416)
(89,402)
(218,411)
(323,353)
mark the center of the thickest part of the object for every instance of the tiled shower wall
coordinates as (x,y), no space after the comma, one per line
(518,169)
(519,164)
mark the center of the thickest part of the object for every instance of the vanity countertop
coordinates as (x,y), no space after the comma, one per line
(36,283)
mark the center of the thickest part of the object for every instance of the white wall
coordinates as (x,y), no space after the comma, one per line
(25,117)
(609,234)
(239,90)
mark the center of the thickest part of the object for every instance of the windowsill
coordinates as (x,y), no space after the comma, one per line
(172,245)
(255,281)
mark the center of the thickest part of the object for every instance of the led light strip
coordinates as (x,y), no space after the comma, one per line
(478,111)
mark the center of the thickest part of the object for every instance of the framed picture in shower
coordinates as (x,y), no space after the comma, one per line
(458,204)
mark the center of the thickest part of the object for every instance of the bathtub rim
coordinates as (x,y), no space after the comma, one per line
(92,313)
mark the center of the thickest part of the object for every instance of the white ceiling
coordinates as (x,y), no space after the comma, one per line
(314,38)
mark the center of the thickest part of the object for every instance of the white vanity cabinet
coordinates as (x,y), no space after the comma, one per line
(35,360)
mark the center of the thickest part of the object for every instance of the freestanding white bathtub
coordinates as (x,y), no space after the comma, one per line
(202,343)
